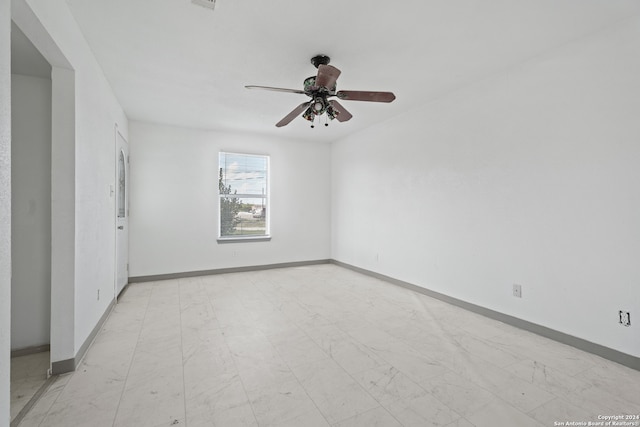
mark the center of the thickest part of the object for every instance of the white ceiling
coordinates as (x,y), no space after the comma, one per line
(174,62)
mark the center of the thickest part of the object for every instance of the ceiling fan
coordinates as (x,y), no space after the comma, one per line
(320,88)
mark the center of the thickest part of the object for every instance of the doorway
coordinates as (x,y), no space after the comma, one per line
(31,220)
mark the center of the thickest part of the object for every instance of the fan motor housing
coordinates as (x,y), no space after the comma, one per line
(310,87)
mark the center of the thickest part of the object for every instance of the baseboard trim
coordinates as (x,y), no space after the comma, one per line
(30,350)
(122,291)
(579,343)
(63,366)
(158,277)
(70,365)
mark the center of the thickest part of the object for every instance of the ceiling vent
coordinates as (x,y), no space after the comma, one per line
(210,4)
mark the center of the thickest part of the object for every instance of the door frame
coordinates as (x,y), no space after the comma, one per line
(118,134)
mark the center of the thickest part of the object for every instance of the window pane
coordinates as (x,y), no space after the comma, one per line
(244,174)
(243,216)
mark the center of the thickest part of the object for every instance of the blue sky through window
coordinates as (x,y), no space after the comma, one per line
(246,174)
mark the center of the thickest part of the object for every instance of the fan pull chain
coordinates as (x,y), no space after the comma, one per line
(312,120)
(326,120)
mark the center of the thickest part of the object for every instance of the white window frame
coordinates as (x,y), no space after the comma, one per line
(266,196)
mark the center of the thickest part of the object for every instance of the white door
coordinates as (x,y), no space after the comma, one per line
(122,212)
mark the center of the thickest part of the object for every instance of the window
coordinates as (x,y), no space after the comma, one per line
(243,187)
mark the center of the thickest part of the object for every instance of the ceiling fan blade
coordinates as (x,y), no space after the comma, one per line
(343,114)
(276,89)
(327,76)
(358,95)
(292,115)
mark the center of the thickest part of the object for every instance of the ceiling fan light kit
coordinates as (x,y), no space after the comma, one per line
(320,88)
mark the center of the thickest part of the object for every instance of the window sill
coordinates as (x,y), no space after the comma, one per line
(244,239)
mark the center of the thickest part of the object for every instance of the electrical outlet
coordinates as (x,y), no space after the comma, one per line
(625,318)
(517,291)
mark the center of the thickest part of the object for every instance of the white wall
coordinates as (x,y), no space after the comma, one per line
(95,111)
(530,177)
(5,209)
(31,211)
(174,200)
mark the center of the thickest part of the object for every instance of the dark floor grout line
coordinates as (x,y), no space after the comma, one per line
(287,364)
(233,359)
(32,402)
(133,355)
(184,385)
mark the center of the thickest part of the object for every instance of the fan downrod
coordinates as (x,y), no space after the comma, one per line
(320,60)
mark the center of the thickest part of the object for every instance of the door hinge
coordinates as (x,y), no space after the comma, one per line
(127,267)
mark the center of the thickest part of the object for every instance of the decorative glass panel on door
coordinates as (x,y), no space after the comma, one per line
(122,181)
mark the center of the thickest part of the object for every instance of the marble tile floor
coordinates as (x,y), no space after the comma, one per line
(28,374)
(322,346)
